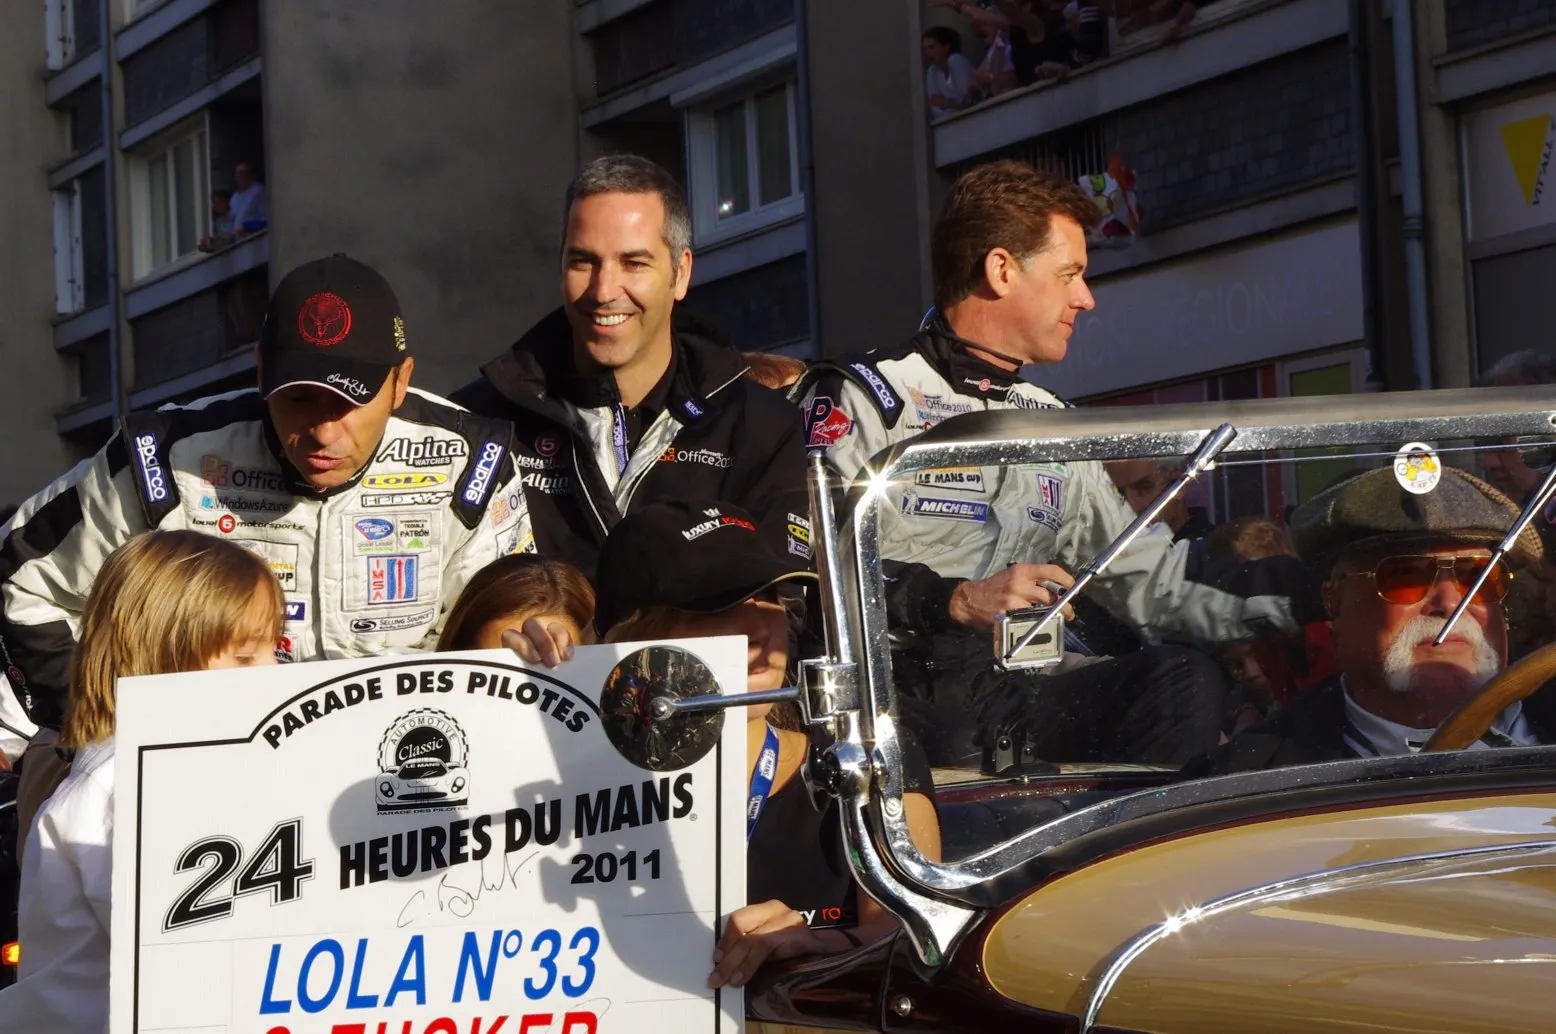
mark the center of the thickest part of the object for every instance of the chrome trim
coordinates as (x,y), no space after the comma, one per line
(932,899)
(1290,888)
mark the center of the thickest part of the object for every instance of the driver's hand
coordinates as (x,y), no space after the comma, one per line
(756,933)
(548,644)
(974,604)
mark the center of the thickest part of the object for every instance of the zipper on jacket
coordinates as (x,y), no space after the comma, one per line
(632,486)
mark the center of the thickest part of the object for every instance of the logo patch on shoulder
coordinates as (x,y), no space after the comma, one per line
(480,480)
(884,396)
(148,454)
(825,423)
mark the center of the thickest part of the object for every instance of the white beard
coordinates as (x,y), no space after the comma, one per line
(1399,663)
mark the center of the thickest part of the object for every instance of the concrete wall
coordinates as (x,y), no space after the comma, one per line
(871,194)
(35,378)
(433,141)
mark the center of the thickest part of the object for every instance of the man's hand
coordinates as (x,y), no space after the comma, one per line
(756,933)
(974,604)
(540,644)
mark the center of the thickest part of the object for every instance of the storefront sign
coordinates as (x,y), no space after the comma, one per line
(1230,308)
(1508,167)
(441,844)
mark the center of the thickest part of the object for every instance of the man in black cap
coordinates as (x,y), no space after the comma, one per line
(620,397)
(372,501)
(1395,564)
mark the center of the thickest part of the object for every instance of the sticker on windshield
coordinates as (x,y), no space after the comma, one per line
(1417,468)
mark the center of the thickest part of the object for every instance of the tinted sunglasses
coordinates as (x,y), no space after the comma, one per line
(1408,579)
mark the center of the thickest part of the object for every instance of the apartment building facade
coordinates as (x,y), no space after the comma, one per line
(403,133)
(1294,241)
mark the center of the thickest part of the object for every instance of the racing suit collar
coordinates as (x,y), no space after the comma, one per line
(967,373)
(539,371)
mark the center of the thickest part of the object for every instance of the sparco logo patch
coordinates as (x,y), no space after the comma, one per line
(480,480)
(947,509)
(151,475)
(428,452)
(423,764)
(887,397)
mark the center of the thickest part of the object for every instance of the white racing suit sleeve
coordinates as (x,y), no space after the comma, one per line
(1148,585)
(50,554)
(504,528)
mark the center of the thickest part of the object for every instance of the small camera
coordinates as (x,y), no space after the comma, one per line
(1044,651)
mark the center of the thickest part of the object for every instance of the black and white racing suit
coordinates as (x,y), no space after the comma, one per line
(368,568)
(951,524)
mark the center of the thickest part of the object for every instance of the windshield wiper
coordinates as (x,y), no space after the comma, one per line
(1533,506)
(1200,462)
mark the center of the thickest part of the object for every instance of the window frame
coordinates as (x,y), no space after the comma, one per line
(59,34)
(69,251)
(702,164)
(140,161)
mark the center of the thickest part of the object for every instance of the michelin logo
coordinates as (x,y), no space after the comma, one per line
(886,396)
(481,478)
(946,509)
(150,468)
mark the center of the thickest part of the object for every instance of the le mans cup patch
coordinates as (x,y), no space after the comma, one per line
(825,423)
(945,509)
(1417,468)
(957,479)
(393,579)
(422,764)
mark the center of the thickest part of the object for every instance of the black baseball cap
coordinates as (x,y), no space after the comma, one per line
(701,557)
(332,323)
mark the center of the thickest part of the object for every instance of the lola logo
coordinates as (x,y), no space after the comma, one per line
(1528,145)
(324,319)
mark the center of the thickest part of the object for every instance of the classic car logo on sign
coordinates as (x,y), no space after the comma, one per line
(422,764)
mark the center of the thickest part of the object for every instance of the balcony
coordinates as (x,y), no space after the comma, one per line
(1224,38)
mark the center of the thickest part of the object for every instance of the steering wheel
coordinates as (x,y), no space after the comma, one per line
(1472,719)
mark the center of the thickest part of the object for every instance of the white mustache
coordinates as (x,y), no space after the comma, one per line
(1399,663)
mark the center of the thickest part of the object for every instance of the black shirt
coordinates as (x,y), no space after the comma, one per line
(796,852)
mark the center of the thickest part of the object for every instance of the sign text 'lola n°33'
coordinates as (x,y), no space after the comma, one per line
(439,844)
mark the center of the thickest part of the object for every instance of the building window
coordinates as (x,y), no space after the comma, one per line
(745,164)
(60,29)
(169,181)
(69,255)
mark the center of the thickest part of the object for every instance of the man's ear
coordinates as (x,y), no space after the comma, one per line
(402,380)
(683,275)
(999,271)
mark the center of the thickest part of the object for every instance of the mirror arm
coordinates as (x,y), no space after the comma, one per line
(1200,462)
(665,707)
(1535,504)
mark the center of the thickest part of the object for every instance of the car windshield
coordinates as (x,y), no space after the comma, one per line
(1283,609)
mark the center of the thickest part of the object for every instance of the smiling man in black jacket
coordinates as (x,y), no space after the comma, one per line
(620,398)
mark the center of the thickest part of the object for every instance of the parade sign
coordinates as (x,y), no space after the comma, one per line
(438,844)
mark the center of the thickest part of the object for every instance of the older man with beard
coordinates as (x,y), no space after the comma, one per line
(1395,565)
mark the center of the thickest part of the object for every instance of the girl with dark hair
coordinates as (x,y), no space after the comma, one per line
(948,82)
(537,606)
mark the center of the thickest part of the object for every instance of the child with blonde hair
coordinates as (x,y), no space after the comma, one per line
(166,601)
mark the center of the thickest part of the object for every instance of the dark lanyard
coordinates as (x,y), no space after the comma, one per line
(619,437)
(762,780)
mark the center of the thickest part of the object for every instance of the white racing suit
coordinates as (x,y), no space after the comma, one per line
(368,568)
(972,522)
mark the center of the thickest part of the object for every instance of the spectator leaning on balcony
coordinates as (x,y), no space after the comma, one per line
(250,203)
(948,82)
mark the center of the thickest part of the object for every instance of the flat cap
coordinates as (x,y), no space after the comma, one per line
(1372,510)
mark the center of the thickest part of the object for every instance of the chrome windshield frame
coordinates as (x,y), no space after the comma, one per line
(924,894)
